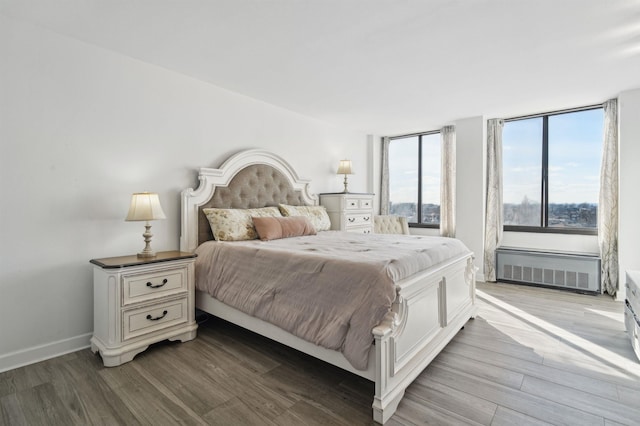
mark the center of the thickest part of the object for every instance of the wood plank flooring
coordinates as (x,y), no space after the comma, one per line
(531,357)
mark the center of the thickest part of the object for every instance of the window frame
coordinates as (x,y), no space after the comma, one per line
(419,224)
(544,184)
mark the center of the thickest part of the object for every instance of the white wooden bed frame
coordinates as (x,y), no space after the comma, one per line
(430,307)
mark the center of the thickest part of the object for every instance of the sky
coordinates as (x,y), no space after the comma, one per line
(575,149)
(403,170)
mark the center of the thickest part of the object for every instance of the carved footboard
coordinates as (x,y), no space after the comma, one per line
(429,310)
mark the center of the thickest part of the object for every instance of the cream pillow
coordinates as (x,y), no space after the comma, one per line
(317,215)
(236,224)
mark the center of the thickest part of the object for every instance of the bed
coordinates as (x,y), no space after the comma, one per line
(426,308)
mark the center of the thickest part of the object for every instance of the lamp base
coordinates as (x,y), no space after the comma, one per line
(345,185)
(147,254)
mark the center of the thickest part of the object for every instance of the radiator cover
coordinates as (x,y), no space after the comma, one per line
(572,271)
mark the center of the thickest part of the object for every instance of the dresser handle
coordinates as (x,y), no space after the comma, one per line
(366,219)
(159,285)
(368,231)
(164,314)
(351,219)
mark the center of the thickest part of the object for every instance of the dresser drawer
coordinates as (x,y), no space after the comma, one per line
(365,204)
(360,229)
(633,292)
(137,322)
(150,285)
(632,324)
(359,219)
(352,203)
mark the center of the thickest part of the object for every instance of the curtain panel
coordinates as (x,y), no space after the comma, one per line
(384,183)
(608,200)
(493,217)
(448,182)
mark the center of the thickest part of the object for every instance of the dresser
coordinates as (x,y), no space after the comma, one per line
(140,301)
(632,309)
(349,211)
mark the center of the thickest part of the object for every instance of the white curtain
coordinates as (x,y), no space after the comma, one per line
(493,218)
(448,182)
(384,184)
(608,200)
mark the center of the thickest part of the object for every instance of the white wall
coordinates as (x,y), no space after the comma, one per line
(470,186)
(81,129)
(629,163)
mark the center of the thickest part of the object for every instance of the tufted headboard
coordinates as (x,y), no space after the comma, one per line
(258,185)
(249,179)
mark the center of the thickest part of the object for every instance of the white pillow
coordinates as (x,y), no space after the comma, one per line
(317,215)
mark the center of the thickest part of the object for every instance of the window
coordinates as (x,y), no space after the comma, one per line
(414,178)
(551,171)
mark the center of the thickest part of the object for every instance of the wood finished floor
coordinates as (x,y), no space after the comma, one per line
(531,357)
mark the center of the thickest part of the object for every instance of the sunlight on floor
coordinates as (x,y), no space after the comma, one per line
(616,316)
(606,361)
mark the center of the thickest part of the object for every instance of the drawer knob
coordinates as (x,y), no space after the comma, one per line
(150,285)
(164,314)
(351,219)
(366,218)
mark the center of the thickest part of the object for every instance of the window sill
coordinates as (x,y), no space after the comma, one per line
(423,225)
(537,230)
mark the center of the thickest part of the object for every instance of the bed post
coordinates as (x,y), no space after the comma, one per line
(470,277)
(386,400)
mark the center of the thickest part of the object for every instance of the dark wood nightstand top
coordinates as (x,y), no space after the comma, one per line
(134,260)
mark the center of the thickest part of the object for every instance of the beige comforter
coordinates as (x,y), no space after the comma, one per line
(331,289)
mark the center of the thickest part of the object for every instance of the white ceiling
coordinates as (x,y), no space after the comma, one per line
(381,66)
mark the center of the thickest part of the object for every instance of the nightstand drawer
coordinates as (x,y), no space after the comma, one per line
(145,286)
(360,229)
(358,219)
(146,320)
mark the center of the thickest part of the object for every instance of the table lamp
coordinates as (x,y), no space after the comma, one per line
(345,169)
(145,206)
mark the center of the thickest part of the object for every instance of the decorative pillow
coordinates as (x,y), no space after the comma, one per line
(317,215)
(236,224)
(274,228)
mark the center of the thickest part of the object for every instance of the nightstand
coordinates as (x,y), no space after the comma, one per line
(352,212)
(140,301)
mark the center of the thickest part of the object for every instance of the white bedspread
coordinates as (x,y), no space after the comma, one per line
(331,289)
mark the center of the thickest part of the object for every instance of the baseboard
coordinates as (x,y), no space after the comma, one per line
(479,276)
(43,352)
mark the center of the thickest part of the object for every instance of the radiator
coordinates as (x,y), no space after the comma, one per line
(571,271)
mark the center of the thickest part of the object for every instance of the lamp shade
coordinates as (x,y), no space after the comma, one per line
(344,168)
(145,206)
